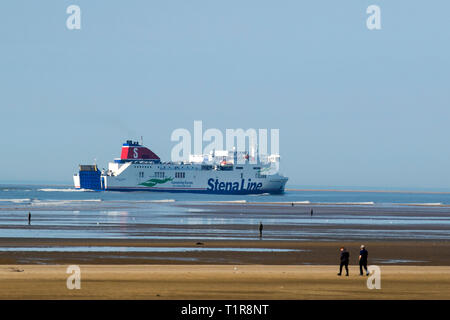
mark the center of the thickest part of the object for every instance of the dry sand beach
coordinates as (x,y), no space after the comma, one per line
(220,282)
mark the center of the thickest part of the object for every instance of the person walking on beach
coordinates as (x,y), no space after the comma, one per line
(311,212)
(29,218)
(345,258)
(363,254)
(261,227)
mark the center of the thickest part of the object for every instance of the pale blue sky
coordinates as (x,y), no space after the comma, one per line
(354,107)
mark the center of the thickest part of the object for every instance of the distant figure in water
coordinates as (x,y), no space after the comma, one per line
(29,218)
(292,204)
(311,212)
(260,229)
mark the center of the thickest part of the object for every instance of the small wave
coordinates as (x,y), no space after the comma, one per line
(421,204)
(62,202)
(317,203)
(368,203)
(16,200)
(231,201)
(146,201)
(63,190)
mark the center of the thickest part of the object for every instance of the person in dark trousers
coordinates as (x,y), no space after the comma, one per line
(261,227)
(311,212)
(345,258)
(363,254)
(29,218)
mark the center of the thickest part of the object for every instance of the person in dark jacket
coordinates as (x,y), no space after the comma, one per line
(345,258)
(261,227)
(363,254)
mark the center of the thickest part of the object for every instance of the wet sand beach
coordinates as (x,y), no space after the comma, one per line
(120,251)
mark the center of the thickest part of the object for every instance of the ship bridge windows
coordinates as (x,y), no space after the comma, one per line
(159,175)
(180,175)
(225,168)
(207,167)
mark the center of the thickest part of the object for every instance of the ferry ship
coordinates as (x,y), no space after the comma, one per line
(219,172)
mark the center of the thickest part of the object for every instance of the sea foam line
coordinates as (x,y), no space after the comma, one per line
(435,204)
(231,201)
(62,202)
(367,203)
(63,190)
(16,200)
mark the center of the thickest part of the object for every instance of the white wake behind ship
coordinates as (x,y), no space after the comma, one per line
(219,172)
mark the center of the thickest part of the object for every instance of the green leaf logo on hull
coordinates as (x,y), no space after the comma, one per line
(154,182)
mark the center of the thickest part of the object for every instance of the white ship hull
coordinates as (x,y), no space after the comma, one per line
(191,178)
